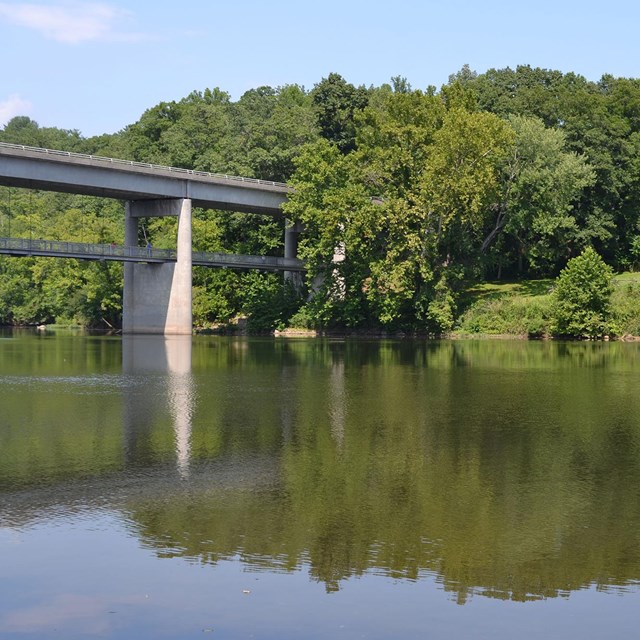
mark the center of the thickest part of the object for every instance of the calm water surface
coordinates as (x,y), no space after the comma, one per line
(172,488)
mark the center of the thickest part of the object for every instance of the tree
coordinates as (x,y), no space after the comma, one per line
(537,214)
(601,121)
(271,125)
(334,205)
(24,130)
(581,305)
(336,103)
(361,202)
(408,206)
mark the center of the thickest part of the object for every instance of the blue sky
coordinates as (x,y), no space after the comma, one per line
(97,66)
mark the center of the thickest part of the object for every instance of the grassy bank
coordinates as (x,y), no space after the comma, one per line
(523,308)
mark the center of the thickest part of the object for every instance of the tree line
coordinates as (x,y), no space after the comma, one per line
(507,174)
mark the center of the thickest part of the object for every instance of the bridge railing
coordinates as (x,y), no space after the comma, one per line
(145,165)
(57,247)
(241,261)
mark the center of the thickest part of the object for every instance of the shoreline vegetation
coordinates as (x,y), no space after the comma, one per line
(506,311)
(519,310)
(438,212)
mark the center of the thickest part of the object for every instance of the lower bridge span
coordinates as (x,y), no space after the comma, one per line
(120,253)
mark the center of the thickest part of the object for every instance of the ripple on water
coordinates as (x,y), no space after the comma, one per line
(95,383)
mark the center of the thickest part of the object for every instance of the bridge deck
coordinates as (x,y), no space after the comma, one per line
(88,251)
(52,170)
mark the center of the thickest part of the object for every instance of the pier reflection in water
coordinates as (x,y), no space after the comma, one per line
(165,363)
(508,471)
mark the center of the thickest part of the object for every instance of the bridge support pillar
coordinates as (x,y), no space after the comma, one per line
(157,297)
(291,232)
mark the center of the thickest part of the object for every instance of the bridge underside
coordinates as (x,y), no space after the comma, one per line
(157,298)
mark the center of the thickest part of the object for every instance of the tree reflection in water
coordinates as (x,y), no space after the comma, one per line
(504,469)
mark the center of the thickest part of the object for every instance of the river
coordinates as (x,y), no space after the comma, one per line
(177,487)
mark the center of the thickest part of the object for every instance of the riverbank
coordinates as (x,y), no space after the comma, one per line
(491,310)
(517,310)
(524,308)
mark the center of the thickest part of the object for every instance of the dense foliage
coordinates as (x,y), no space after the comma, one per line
(406,196)
(582,297)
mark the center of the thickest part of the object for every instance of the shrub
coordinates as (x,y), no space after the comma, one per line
(304,318)
(509,315)
(581,300)
(440,311)
(268,302)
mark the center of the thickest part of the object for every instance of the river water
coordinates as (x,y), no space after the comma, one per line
(284,488)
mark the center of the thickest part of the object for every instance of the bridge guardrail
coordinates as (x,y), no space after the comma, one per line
(247,261)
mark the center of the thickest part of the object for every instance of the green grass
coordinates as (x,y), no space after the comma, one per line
(499,289)
(523,307)
(626,303)
(517,308)
(627,276)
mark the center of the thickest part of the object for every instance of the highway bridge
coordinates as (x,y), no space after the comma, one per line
(67,172)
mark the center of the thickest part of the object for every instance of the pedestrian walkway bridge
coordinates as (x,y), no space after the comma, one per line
(87,251)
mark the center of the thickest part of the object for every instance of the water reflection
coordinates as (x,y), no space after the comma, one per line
(487,466)
(505,469)
(165,364)
(337,401)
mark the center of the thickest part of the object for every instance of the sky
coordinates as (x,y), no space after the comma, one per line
(97,66)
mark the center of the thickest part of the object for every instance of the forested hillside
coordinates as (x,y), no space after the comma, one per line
(503,175)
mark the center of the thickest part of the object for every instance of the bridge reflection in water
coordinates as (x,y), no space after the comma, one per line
(416,461)
(165,363)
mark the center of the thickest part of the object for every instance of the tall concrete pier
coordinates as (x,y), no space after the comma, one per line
(291,235)
(157,297)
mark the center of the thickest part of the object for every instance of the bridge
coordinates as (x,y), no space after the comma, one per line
(157,296)
(67,172)
(120,253)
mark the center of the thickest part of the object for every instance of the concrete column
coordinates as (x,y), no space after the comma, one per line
(291,232)
(130,240)
(180,312)
(157,296)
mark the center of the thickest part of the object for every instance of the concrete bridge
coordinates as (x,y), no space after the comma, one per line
(157,294)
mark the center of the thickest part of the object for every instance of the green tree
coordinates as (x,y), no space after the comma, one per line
(537,214)
(601,123)
(581,300)
(336,103)
(336,209)
(407,207)
(270,126)
(24,130)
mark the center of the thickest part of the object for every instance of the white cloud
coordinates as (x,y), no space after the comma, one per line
(70,21)
(13,106)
